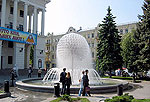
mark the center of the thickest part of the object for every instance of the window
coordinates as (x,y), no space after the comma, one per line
(89,45)
(10,59)
(121,31)
(92,54)
(21,13)
(20,27)
(93,45)
(53,57)
(10,44)
(53,48)
(39,63)
(88,35)
(53,65)
(0,8)
(92,35)
(10,25)
(126,30)
(11,10)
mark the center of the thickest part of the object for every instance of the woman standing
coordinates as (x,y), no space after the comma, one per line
(81,83)
(68,82)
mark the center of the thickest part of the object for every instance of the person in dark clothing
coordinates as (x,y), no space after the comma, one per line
(63,81)
(86,83)
(12,77)
(68,83)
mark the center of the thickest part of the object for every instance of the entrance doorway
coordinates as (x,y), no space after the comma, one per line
(1,62)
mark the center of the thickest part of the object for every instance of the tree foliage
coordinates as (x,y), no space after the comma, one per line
(108,47)
(136,45)
(31,54)
(142,38)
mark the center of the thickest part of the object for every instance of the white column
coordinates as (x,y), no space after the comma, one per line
(43,21)
(29,26)
(0,53)
(37,21)
(3,13)
(25,16)
(15,14)
(34,20)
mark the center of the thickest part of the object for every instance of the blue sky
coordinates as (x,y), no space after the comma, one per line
(61,14)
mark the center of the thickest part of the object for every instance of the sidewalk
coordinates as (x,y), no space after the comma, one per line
(142,92)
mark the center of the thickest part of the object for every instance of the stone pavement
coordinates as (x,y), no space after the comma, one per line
(142,91)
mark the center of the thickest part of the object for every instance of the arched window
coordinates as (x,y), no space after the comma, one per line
(39,63)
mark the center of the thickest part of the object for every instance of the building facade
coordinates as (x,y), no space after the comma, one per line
(90,36)
(19,31)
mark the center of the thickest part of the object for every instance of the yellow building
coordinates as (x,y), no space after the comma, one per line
(90,35)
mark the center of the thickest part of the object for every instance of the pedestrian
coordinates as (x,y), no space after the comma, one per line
(39,72)
(12,77)
(68,83)
(15,69)
(86,88)
(81,83)
(62,80)
(30,71)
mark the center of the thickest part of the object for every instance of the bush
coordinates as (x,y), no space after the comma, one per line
(67,98)
(141,100)
(124,98)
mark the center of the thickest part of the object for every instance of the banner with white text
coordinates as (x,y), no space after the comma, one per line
(17,36)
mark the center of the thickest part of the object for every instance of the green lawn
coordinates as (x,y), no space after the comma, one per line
(141,100)
(119,77)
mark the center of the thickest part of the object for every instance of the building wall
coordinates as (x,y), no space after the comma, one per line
(90,36)
(20,51)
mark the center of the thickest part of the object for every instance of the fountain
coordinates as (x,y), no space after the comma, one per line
(74,54)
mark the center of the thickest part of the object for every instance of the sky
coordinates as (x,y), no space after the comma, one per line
(62,14)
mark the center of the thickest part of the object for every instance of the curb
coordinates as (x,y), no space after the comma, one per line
(3,95)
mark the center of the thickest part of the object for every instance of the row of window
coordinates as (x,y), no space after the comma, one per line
(18,28)
(91,45)
(12,9)
(10,44)
(121,31)
(92,35)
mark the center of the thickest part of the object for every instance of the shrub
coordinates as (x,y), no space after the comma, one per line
(67,98)
(124,98)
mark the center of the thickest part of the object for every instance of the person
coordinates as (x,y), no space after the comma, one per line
(15,69)
(81,83)
(68,82)
(86,84)
(39,72)
(30,71)
(12,77)
(62,80)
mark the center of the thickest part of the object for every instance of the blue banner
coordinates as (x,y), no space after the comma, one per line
(17,36)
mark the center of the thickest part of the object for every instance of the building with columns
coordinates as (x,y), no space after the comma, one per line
(90,35)
(19,31)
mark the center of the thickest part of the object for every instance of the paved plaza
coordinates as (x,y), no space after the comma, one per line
(141,91)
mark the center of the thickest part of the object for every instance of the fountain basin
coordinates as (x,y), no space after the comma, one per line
(30,84)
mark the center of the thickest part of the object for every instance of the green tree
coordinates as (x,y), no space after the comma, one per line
(31,55)
(130,52)
(108,48)
(142,37)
